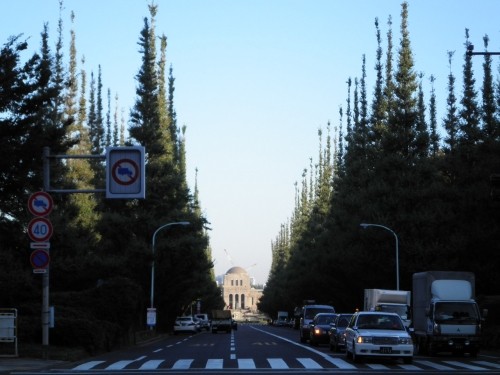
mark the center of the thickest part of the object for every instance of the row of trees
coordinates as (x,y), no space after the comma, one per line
(392,162)
(101,249)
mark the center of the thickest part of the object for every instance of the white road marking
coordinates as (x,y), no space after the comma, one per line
(182,364)
(277,363)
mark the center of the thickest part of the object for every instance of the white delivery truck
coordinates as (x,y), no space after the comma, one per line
(446,318)
(397,301)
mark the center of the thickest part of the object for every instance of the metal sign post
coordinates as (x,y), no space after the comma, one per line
(125,173)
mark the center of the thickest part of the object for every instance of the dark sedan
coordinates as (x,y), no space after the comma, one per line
(337,332)
(319,328)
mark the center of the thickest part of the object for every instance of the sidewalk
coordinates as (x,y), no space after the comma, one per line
(8,365)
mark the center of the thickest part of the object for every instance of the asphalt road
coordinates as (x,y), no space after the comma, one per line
(257,349)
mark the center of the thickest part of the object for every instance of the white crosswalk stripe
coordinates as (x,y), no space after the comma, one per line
(214,364)
(277,363)
(120,365)
(434,365)
(340,363)
(281,363)
(182,364)
(309,363)
(465,365)
(377,366)
(88,365)
(246,363)
(151,365)
(487,364)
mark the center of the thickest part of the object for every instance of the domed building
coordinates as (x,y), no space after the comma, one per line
(238,292)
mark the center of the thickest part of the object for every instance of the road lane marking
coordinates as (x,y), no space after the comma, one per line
(88,365)
(411,367)
(321,354)
(309,363)
(465,365)
(215,364)
(152,364)
(487,364)
(436,366)
(120,365)
(340,363)
(277,363)
(182,364)
(376,366)
(246,363)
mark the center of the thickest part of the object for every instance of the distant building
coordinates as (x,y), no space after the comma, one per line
(238,292)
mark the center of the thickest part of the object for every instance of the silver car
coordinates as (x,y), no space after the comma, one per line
(378,334)
(186,324)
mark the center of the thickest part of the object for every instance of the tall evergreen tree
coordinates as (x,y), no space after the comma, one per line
(434,136)
(451,120)
(488,111)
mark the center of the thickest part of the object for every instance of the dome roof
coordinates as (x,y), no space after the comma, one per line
(236,270)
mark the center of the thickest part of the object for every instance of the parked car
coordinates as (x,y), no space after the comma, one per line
(204,321)
(337,332)
(319,327)
(185,324)
(378,334)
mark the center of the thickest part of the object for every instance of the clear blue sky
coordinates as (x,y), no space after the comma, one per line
(255,80)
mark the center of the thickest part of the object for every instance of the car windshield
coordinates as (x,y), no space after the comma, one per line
(456,312)
(343,321)
(311,312)
(379,321)
(324,319)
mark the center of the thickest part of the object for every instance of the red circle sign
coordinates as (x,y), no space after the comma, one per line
(40,229)
(125,171)
(40,259)
(40,203)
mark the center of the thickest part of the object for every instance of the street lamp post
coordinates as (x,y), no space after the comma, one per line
(153,243)
(365,225)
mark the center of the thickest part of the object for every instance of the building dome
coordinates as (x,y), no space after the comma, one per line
(236,270)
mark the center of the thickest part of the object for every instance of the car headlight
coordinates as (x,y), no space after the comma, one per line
(364,340)
(405,340)
(318,331)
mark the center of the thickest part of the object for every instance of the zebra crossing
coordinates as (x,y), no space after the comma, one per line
(141,363)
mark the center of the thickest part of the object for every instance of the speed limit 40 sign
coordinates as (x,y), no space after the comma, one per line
(40,229)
